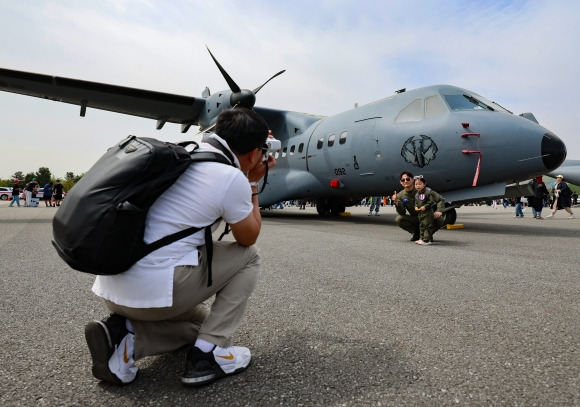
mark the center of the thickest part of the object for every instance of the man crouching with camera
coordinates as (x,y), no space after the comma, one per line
(158,304)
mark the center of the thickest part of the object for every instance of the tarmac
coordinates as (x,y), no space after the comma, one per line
(347,312)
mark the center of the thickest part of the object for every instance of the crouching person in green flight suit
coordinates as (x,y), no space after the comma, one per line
(408,218)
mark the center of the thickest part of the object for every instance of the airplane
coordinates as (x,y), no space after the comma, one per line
(570,169)
(467,147)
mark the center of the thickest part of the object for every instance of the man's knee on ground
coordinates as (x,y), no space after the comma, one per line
(398,220)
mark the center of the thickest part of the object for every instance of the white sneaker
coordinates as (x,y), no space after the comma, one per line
(111,347)
(550,216)
(232,359)
(205,367)
(572,216)
(122,363)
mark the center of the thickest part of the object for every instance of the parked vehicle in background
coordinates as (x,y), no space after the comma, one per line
(5,193)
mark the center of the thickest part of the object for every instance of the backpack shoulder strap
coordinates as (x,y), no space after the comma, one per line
(213,142)
(198,156)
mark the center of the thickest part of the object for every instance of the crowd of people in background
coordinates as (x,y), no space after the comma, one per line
(560,196)
(52,194)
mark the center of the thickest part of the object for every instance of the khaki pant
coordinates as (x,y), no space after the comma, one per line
(234,273)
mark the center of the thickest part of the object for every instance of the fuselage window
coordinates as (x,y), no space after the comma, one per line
(320,143)
(433,107)
(331,140)
(300,148)
(292,150)
(412,113)
(284,151)
(342,138)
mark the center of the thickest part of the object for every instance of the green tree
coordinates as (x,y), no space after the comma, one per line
(17,175)
(28,177)
(70,180)
(43,176)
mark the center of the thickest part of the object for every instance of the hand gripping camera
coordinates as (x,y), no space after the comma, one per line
(270,146)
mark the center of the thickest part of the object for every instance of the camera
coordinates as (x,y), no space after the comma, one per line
(271,145)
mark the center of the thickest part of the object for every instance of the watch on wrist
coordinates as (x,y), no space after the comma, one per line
(254,184)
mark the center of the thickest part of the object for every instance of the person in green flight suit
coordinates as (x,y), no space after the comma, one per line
(425,198)
(404,201)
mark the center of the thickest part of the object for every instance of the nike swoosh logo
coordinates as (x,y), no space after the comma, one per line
(125,357)
(227,357)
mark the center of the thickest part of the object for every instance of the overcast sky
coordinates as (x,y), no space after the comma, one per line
(521,54)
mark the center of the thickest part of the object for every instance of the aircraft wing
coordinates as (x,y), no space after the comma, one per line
(163,107)
(474,194)
(570,169)
(488,192)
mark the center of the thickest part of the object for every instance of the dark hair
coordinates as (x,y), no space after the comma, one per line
(242,128)
(408,173)
(422,179)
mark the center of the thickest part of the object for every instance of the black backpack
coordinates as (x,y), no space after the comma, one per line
(100,225)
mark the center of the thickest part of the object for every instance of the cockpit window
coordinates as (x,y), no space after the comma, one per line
(433,107)
(411,113)
(466,102)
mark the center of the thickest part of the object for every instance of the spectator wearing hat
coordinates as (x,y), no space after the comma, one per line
(562,197)
(15,193)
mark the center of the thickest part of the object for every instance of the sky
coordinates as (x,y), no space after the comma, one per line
(521,54)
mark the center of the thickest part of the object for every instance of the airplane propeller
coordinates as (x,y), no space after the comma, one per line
(241,97)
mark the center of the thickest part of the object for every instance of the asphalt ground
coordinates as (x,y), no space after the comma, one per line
(347,312)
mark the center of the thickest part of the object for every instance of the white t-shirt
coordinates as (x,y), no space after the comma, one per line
(206,191)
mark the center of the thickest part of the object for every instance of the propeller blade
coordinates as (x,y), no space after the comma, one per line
(260,87)
(233,86)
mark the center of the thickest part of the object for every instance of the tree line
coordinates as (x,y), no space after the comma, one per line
(43,176)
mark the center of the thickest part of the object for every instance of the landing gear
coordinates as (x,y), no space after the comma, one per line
(336,209)
(330,208)
(322,209)
(450,216)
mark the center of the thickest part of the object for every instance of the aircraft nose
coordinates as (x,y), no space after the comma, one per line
(553,151)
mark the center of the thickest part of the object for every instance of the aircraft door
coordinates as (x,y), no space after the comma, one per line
(327,156)
(366,149)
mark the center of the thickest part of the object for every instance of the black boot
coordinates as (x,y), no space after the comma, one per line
(415,236)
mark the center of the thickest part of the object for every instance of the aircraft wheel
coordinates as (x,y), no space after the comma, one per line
(450,217)
(337,209)
(321,208)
